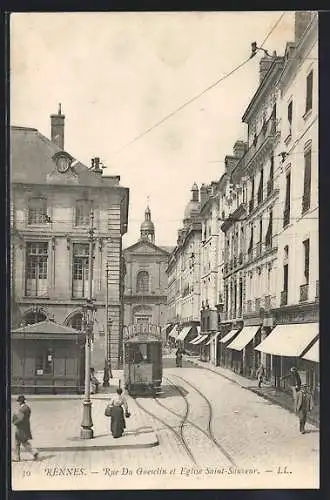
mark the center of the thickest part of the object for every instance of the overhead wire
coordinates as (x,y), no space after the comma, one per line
(197,96)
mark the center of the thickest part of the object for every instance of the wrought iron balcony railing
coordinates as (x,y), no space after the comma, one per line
(304,292)
(284,297)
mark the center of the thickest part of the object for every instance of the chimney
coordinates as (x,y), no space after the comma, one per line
(203,194)
(239,149)
(57,128)
(264,65)
(96,165)
(302,18)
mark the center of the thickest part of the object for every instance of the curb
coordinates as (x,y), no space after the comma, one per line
(310,420)
(96,447)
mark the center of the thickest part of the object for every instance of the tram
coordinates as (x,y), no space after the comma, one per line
(143,364)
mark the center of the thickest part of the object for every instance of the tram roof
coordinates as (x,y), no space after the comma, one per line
(142,339)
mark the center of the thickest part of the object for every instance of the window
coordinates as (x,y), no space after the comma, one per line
(260,229)
(44,362)
(286,215)
(306,201)
(142,282)
(36,284)
(80,270)
(82,212)
(306,261)
(37,211)
(269,234)
(309,91)
(77,322)
(261,186)
(290,116)
(251,204)
(270,183)
(285,277)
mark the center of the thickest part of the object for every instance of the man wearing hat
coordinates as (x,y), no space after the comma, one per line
(21,420)
(304,404)
(294,381)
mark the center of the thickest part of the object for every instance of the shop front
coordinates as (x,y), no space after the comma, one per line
(243,347)
(227,358)
(286,344)
(47,358)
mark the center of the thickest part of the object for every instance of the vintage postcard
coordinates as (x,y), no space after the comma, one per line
(164,250)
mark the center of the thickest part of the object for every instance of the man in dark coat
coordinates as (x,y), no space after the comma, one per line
(21,420)
(304,404)
(294,381)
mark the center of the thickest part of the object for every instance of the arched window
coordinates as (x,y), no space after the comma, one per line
(32,317)
(142,282)
(37,211)
(76,321)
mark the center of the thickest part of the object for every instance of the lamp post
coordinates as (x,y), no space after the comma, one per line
(86,431)
(107,361)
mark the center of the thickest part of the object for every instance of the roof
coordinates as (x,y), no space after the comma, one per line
(32,163)
(147,245)
(47,328)
(167,249)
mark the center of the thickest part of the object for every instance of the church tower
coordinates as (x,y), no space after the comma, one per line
(147,227)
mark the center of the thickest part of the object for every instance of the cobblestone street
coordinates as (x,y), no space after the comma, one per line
(249,432)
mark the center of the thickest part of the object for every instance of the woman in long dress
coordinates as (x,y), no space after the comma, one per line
(118,405)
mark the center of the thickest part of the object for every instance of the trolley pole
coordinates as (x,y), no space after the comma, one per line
(86,431)
(107,359)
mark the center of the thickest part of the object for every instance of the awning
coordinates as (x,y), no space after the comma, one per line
(313,354)
(184,332)
(201,339)
(243,338)
(213,337)
(289,340)
(196,338)
(229,336)
(174,332)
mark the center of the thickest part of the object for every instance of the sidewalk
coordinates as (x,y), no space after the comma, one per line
(272,394)
(56,422)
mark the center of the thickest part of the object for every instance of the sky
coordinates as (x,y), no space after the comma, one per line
(118,74)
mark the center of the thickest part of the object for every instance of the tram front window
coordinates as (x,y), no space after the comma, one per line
(140,354)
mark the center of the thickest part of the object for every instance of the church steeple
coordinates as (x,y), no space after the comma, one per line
(147,229)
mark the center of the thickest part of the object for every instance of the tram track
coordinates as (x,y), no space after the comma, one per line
(209,433)
(179,434)
(184,420)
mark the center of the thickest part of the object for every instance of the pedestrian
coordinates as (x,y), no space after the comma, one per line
(115,410)
(21,420)
(94,383)
(178,357)
(294,381)
(260,374)
(304,404)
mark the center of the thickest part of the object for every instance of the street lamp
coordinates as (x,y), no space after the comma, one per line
(86,431)
(107,374)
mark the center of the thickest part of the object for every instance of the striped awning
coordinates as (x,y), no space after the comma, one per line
(200,339)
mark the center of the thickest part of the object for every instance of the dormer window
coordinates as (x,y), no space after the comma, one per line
(37,211)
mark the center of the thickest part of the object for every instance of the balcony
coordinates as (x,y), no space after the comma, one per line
(317,296)
(258,304)
(284,297)
(269,131)
(304,292)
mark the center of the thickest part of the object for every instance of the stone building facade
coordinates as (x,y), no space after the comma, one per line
(52,197)
(145,290)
